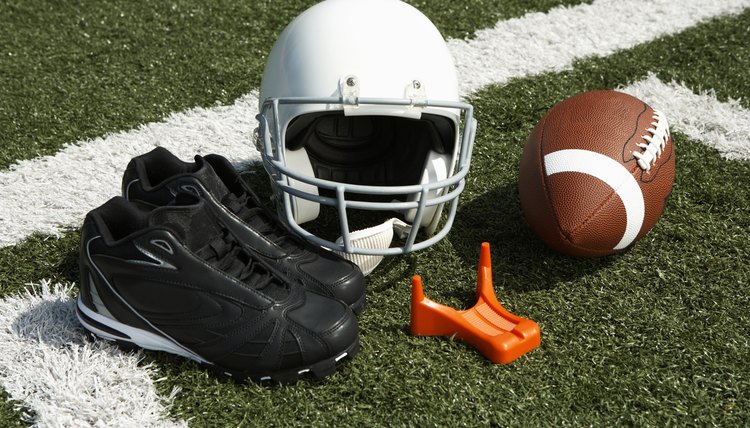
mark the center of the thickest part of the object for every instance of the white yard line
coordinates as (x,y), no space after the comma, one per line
(725,126)
(65,379)
(543,42)
(50,193)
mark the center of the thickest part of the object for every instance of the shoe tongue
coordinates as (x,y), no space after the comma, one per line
(243,206)
(189,219)
(210,179)
(262,221)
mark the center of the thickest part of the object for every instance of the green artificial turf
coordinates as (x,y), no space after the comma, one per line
(12,413)
(658,335)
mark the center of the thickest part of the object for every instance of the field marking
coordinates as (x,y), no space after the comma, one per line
(51,193)
(724,126)
(549,42)
(65,379)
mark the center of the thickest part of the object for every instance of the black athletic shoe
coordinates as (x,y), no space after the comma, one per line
(176,279)
(155,177)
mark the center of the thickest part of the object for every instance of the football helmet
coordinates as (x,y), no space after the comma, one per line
(359,110)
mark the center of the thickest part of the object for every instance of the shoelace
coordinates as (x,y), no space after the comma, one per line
(225,253)
(245,208)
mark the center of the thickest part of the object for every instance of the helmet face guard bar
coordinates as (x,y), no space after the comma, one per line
(272,153)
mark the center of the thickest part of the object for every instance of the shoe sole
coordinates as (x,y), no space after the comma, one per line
(130,337)
(359,305)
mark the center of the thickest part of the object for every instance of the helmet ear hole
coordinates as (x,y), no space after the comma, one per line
(303,210)
(436,168)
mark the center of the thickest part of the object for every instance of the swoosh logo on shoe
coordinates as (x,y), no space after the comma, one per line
(156,260)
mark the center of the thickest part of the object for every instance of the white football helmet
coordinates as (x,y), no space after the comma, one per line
(359,110)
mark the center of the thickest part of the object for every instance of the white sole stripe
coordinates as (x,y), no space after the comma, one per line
(144,339)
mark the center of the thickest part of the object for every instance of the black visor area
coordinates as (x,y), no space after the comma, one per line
(370,150)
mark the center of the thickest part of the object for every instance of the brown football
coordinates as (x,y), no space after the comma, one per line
(596,173)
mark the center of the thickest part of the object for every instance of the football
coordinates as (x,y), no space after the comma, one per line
(596,173)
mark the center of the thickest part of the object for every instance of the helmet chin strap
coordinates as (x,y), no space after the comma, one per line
(380,236)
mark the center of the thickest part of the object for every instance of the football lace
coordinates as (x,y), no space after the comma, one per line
(657,138)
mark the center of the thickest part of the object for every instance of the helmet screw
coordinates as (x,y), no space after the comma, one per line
(416,84)
(351,81)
